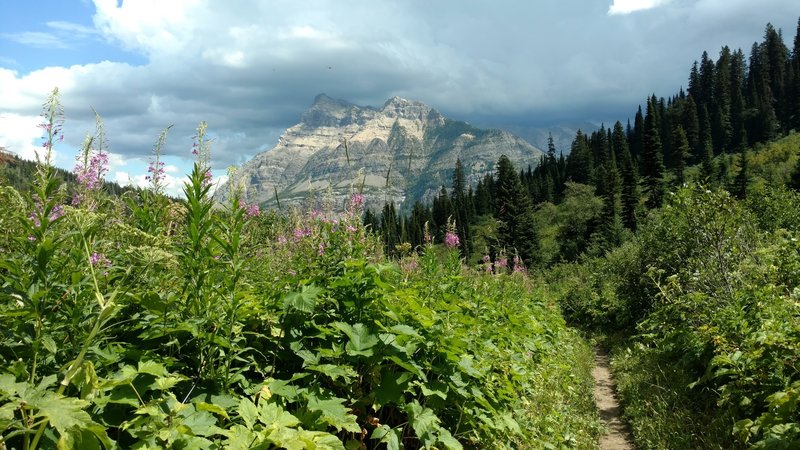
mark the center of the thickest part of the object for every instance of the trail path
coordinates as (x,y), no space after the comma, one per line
(617,437)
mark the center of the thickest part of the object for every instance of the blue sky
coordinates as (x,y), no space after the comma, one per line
(250,68)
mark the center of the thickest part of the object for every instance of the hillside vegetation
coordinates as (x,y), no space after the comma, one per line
(141,322)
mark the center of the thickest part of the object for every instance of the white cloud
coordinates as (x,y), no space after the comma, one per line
(36,39)
(74,29)
(628,6)
(21,135)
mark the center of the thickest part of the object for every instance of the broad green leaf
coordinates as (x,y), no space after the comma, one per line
(273,416)
(9,385)
(448,440)
(391,387)
(465,364)
(210,407)
(320,440)
(63,412)
(202,423)
(387,435)
(303,301)
(248,412)
(152,368)
(346,373)
(77,439)
(239,438)
(409,366)
(361,340)
(287,438)
(334,413)
(166,383)
(285,389)
(423,421)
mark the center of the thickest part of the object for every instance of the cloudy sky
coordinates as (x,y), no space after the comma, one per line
(250,68)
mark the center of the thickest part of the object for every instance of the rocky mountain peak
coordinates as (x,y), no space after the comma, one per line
(399,107)
(330,112)
(402,152)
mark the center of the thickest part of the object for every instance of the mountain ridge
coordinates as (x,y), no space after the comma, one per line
(403,151)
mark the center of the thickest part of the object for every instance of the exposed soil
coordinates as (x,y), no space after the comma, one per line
(617,436)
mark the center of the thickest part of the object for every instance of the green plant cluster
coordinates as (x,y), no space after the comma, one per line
(148,323)
(709,289)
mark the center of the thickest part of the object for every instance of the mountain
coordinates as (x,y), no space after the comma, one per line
(404,150)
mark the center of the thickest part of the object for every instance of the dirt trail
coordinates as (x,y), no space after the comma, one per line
(617,437)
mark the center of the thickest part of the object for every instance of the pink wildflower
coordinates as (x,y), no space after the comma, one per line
(451,240)
(519,267)
(99,259)
(356,202)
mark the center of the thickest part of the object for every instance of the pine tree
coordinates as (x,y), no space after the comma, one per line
(737,98)
(793,84)
(652,160)
(707,169)
(691,124)
(742,178)
(776,55)
(630,180)
(721,129)
(389,229)
(461,209)
(517,232)
(636,142)
(580,164)
(680,144)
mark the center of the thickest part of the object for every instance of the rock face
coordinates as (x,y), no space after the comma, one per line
(402,152)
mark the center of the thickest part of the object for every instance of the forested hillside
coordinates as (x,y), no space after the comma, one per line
(673,239)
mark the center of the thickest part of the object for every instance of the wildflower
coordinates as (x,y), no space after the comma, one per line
(207,177)
(99,259)
(281,240)
(519,267)
(356,202)
(250,210)
(451,240)
(500,263)
(408,265)
(56,213)
(351,229)
(321,249)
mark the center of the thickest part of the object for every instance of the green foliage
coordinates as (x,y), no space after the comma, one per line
(147,323)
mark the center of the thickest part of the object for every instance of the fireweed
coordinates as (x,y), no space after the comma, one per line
(232,333)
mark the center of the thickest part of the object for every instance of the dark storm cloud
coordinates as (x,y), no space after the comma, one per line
(250,71)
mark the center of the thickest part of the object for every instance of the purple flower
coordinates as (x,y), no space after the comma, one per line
(56,213)
(519,267)
(321,249)
(281,240)
(253,210)
(451,240)
(207,177)
(250,210)
(356,202)
(99,259)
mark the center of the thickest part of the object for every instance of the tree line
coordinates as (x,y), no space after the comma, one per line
(731,104)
